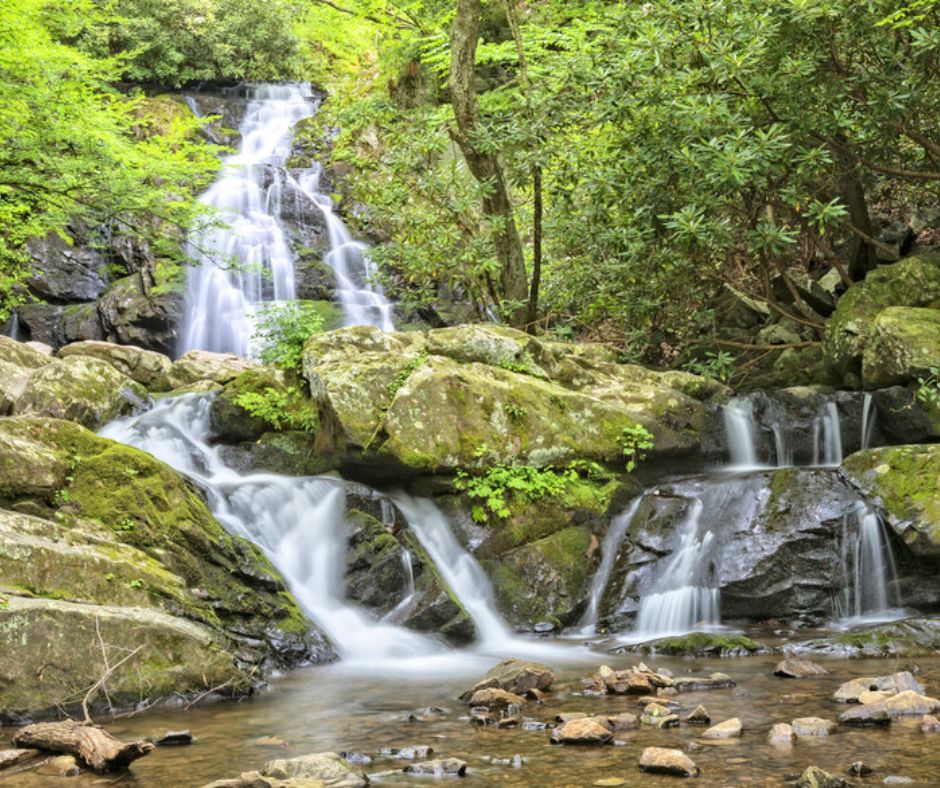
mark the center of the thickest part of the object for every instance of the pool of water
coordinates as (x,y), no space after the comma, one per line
(362,709)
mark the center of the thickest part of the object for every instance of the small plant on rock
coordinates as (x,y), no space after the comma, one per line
(637,440)
(281,329)
(928,388)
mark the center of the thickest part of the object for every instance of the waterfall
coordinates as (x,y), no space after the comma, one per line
(827,437)
(404,607)
(612,539)
(460,570)
(298,522)
(13,326)
(740,427)
(684,596)
(869,415)
(246,258)
(870,578)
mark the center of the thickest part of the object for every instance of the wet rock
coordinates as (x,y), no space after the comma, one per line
(695,683)
(660,760)
(146,367)
(729,729)
(698,716)
(356,758)
(13,757)
(781,733)
(930,724)
(909,703)
(64,272)
(446,767)
(813,726)
(516,676)
(60,766)
(895,779)
(859,769)
(493,698)
(582,731)
(903,681)
(406,753)
(814,777)
(869,714)
(171,738)
(623,722)
(662,700)
(903,344)
(795,668)
(529,724)
(658,716)
(568,716)
(873,696)
(145,310)
(483,716)
(327,767)
(702,644)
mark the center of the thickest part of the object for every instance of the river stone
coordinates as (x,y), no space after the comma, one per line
(60,766)
(567,716)
(729,729)
(813,726)
(695,683)
(445,767)
(198,365)
(903,345)
(13,757)
(930,724)
(814,777)
(869,714)
(85,390)
(327,767)
(258,780)
(904,481)
(672,705)
(873,696)
(795,668)
(912,282)
(698,716)
(622,722)
(859,769)
(147,367)
(660,760)
(781,733)
(516,676)
(582,731)
(851,691)
(911,637)
(494,698)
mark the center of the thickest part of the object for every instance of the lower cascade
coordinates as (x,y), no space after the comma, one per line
(300,524)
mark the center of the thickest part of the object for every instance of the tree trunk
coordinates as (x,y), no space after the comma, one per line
(91,746)
(485,166)
(863,258)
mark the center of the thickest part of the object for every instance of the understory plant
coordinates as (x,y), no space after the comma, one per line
(281,329)
(283,409)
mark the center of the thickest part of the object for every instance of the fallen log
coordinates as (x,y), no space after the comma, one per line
(93,747)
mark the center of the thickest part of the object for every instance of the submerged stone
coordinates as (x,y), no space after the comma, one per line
(729,729)
(661,760)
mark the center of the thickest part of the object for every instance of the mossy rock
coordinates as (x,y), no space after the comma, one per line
(117,508)
(161,115)
(146,367)
(913,282)
(912,637)
(903,345)
(232,423)
(543,580)
(905,483)
(701,644)
(81,389)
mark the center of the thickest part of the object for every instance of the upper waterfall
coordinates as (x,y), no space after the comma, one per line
(247,256)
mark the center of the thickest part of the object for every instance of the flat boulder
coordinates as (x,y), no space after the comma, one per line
(795,668)
(851,691)
(814,777)
(201,365)
(494,698)
(442,767)
(85,390)
(781,734)
(715,681)
(327,767)
(147,367)
(662,760)
(812,726)
(729,729)
(586,730)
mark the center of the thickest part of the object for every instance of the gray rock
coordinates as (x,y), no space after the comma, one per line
(660,760)
(445,767)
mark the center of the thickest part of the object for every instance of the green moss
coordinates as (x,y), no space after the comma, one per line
(703,644)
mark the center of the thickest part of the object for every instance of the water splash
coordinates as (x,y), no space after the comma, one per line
(740,427)
(869,572)
(869,418)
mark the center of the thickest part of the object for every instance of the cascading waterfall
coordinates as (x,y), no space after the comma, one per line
(13,327)
(869,416)
(827,437)
(870,578)
(404,607)
(247,258)
(683,596)
(740,428)
(612,539)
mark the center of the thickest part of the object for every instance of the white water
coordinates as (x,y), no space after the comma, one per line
(612,539)
(870,578)
(740,428)
(827,437)
(248,259)
(682,598)
(869,415)
(404,607)
(13,327)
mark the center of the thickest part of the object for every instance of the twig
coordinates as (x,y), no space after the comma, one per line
(94,687)
(198,698)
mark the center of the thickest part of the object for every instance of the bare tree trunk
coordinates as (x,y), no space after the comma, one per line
(863,258)
(92,746)
(484,165)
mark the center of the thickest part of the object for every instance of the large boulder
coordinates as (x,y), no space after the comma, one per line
(912,637)
(912,282)
(201,365)
(146,367)
(80,389)
(57,325)
(472,395)
(903,344)
(64,271)
(17,362)
(904,481)
(113,527)
(144,309)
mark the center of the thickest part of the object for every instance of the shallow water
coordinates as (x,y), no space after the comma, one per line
(341,707)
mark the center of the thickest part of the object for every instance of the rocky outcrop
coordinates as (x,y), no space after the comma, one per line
(912,637)
(146,367)
(912,282)
(903,481)
(461,397)
(197,366)
(903,345)
(93,531)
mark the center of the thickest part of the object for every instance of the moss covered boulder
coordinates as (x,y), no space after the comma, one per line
(146,367)
(700,644)
(200,365)
(903,344)
(912,637)
(81,389)
(111,526)
(440,400)
(905,482)
(912,282)
(144,309)
(17,362)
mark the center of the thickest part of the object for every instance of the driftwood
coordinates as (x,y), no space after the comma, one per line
(92,747)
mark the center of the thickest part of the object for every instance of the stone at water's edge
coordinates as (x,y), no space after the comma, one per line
(794,668)
(131,544)
(781,734)
(146,367)
(812,726)
(851,691)
(729,729)
(904,481)
(582,731)
(306,771)
(814,777)
(660,760)
(199,365)
(514,675)
(912,637)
